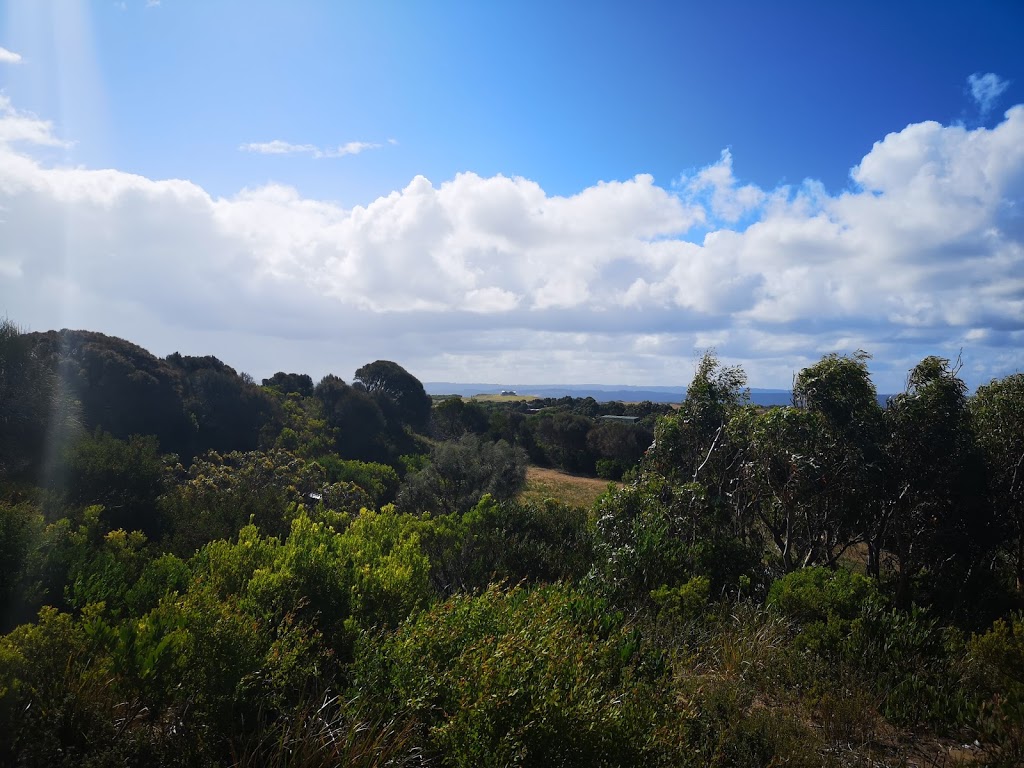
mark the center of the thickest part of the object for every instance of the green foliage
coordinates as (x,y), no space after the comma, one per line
(654,534)
(818,594)
(122,389)
(400,394)
(304,431)
(290,575)
(912,663)
(561,439)
(997,414)
(391,572)
(125,477)
(998,670)
(824,603)
(229,411)
(21,533)
(688,445)
(940,523)
(618,447)
(453,417)
(517,677)
(288,383)
(221,493)
(512,542)
(839,388)
(380,481)
(360,429)
(105,571)
(686,602)
(32,405)
(459,473)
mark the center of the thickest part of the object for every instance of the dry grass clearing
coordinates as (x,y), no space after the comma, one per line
(569,489)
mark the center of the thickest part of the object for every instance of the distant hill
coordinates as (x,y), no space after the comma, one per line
(601,392)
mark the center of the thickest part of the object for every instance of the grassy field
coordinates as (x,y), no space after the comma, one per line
(551,484)
(503,398)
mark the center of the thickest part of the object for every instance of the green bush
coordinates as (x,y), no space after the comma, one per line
(824,603)
(997,671)
(518,677)
(817,594)
(913,663)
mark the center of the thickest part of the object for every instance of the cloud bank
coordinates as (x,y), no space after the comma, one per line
(494,279)
(9,57)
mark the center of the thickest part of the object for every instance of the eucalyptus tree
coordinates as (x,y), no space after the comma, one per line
(690,445)
(809,474)
(938,522)
(997,411)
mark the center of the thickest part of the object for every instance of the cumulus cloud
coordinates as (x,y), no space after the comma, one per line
(9,57)
(727,200)
(18,126)
(493,278)
(278,147)
(986,90)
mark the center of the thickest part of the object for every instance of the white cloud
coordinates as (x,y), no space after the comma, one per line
(278,147)
(986,90)
(727,200)
(18,126)
(9,57)
(494,278)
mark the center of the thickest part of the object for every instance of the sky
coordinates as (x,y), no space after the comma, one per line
(519,192)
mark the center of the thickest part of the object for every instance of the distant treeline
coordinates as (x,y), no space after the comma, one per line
(192,405)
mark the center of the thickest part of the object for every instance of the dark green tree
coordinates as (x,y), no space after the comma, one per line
(229,412)
(123,389)
(299,383)
(453,417)
(361,431)
(33,407)
(562,437)
(459,473)
(392,385)
(997,411)
(940,526)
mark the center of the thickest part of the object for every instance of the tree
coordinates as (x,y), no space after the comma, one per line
(618,446)
(839,390)
(229,412)
(32,405)
(798,481)
(125,477)
(562,436)
(690,445)
(286,383)
(122,388)
(938,520)
(390,383)
(997,412)
(361,430)
(459,473)
(453,417)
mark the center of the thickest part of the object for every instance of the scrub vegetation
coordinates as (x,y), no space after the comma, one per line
(199,569)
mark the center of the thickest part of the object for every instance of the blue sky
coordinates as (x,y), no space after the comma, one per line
(576,192)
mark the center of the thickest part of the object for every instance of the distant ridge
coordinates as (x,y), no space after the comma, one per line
(603,393)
